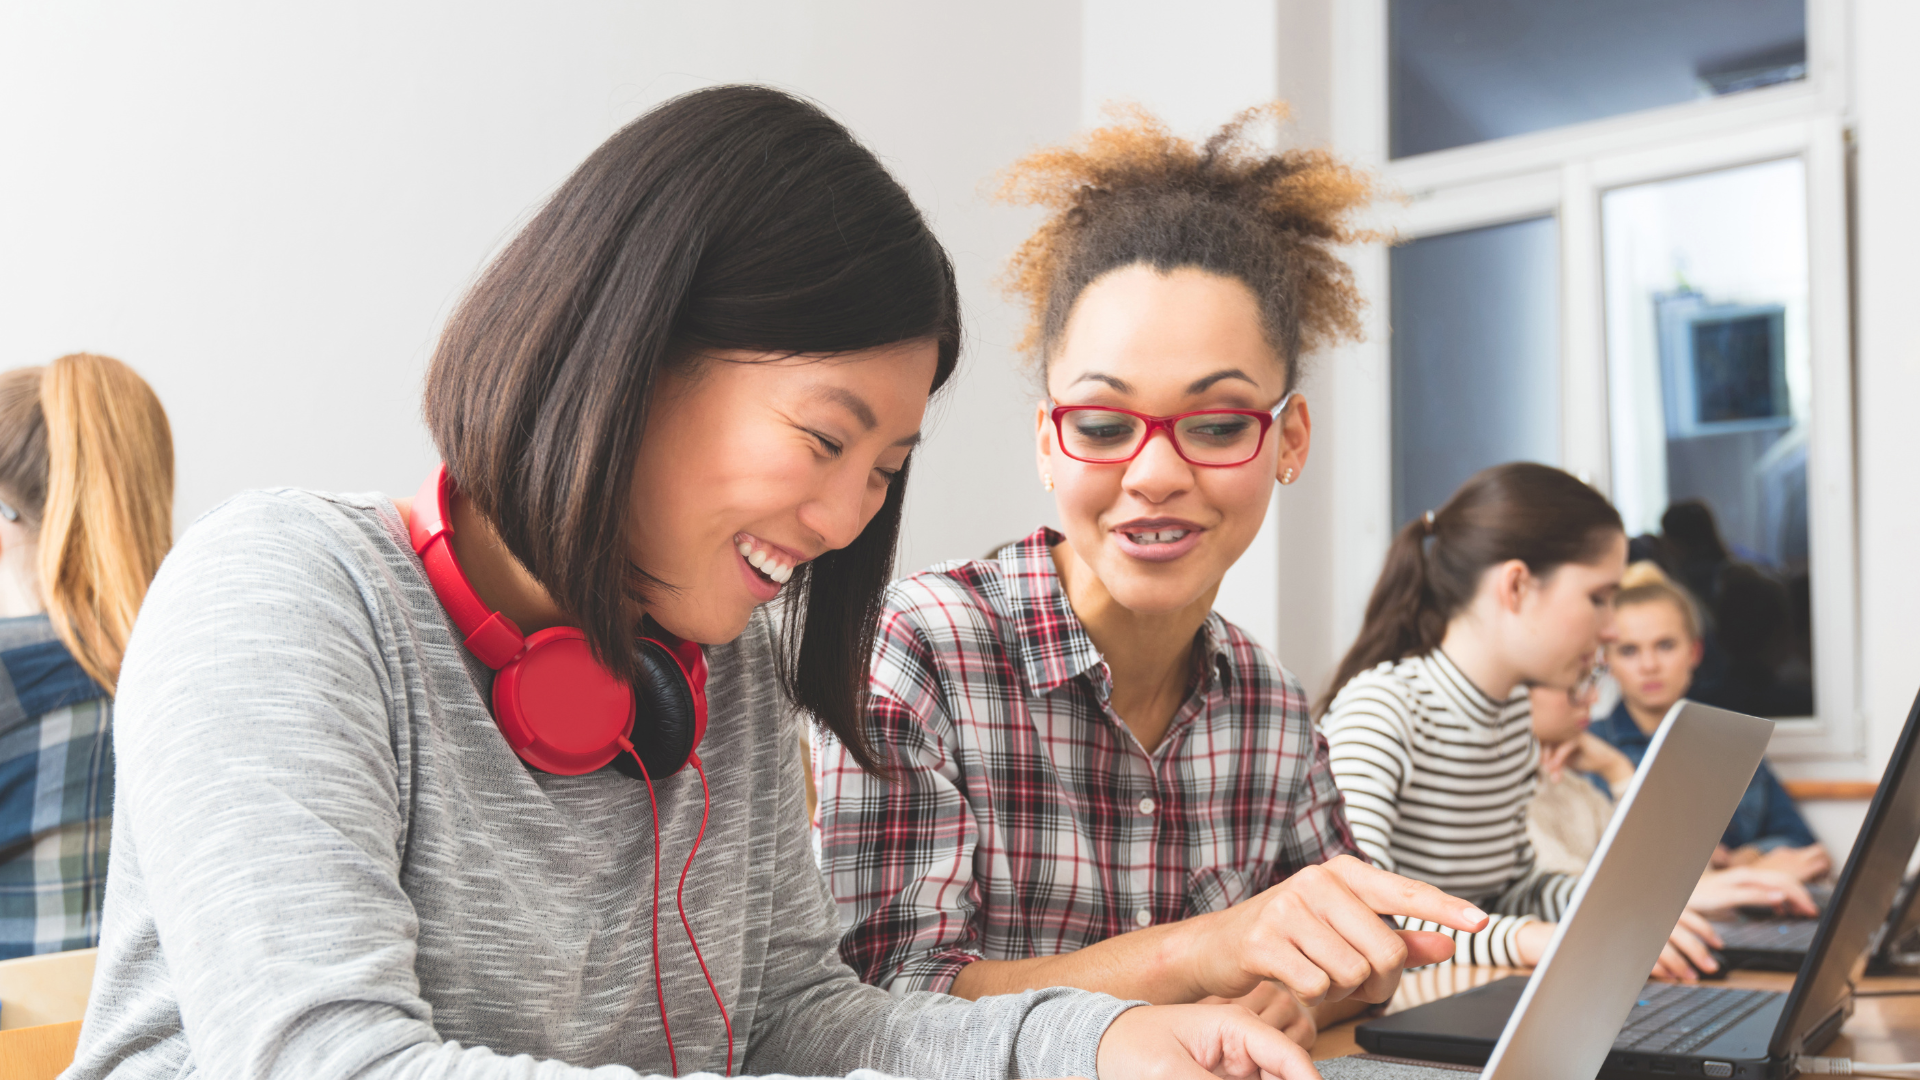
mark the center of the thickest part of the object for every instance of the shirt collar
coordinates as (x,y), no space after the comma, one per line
(1053,646)
(1465,698)
(1217,647)
(1052,642)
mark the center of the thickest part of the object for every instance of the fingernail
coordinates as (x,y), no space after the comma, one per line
(1472,912)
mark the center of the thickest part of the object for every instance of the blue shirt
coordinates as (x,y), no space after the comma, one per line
(1766,817)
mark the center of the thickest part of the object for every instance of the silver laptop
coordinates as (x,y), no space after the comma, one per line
(1634,889)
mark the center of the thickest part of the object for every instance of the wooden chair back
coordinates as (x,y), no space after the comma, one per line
(47,989)
(38,1053)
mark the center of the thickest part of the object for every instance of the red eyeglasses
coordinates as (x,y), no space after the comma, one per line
(1215,438)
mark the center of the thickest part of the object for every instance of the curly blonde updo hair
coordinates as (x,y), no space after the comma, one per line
(1133,192)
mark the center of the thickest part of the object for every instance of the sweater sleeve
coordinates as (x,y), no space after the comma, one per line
(1772,821)
(1367,741)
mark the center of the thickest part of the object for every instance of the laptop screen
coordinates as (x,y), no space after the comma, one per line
(1860,901)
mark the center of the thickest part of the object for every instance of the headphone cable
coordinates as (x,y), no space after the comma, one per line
(679,899)
(659,988)
(1839,1066)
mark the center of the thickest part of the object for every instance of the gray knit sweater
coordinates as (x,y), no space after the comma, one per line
(327,862)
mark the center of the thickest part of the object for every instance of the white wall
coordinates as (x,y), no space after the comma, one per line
(1886,237)
(268,210)
(1886,233)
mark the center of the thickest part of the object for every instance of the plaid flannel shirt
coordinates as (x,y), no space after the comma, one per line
(56,793)
(1026,820)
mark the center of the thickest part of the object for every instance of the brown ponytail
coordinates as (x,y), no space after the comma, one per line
(1521,510)
(86,456)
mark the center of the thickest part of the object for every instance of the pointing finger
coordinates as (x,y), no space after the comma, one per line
(1391,894)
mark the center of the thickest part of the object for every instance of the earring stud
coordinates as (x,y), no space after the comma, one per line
(1287,477)
(1049,481)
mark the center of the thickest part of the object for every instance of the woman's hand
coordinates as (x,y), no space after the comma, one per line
(1319,933)
(1530,942)
(1587,753)
(1720,891)
(1198,1042)
(1276,1007)
(1685,955)
(1808,863)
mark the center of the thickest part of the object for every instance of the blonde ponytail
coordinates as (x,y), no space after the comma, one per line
(108,517)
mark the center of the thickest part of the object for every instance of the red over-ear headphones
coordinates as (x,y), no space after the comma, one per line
(559,709)
(562,712)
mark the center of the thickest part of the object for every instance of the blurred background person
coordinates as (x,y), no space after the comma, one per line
(1656,649)
(86,515)
(1506,586)
(1582,777)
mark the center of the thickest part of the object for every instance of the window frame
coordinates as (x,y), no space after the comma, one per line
(1564,172)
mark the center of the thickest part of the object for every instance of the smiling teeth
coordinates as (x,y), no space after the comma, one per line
(765,560)
(1164,536)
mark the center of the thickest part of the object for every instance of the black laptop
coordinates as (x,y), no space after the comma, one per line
(1716,1030)
(1780,942)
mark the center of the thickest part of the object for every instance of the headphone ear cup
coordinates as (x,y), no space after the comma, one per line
(666,714)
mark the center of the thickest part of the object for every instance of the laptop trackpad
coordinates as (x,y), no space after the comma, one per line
(1461,1028)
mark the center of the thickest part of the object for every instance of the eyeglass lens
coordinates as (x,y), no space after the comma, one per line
(1221,438)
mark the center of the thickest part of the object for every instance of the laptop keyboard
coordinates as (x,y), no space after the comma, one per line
(1773,935)
(1670,1018)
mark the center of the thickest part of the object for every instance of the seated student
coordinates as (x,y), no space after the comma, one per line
(1653,657)
(1097,781)
(1581,776)
(1507,585)
(417,787)
(86,515)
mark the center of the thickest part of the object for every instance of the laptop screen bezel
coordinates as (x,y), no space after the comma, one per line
(1827,975)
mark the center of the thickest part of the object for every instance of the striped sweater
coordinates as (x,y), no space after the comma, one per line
(1437,778)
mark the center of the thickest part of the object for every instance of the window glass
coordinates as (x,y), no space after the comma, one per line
(1476,370)
(1465,71)
(1708,367)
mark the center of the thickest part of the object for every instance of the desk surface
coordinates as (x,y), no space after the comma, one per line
(1882,1029)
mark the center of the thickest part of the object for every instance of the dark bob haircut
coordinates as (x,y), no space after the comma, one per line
(736,217)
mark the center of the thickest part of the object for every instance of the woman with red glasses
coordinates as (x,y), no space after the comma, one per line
(1097,781)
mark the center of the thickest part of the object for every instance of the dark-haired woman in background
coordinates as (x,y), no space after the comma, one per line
(1097,781)
(689,386)
(86,515)
(1507,586)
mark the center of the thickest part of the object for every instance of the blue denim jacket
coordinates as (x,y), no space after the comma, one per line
(1766,818)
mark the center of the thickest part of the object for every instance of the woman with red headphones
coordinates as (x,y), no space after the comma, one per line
(497,781)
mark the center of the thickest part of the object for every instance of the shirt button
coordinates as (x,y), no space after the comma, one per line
(1146,805)
(1143,918)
